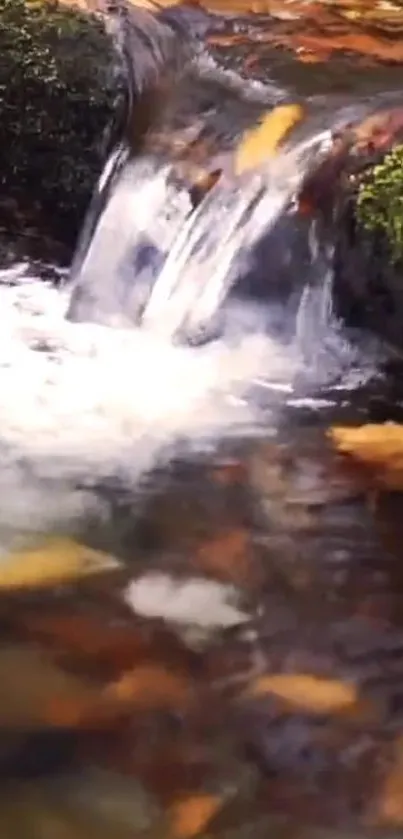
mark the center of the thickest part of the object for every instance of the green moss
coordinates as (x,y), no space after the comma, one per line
(380,202)
(57,95)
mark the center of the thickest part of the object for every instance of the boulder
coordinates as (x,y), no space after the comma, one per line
(60,87)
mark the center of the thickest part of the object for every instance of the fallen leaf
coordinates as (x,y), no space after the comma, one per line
(378,447)
(191,815)
(388,809)
(262,142)
(151,687)
(309,57)
(57,561)
(86,636)
(360,43)
(305,692)
(228,556)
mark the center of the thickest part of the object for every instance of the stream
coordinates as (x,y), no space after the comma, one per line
(167,401)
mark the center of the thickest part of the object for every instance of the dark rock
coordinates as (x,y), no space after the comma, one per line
(60,86)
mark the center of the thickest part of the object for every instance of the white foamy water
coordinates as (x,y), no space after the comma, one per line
(82,403)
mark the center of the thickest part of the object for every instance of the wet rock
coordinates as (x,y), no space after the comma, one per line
(60,87)
(356,191)
(369,252)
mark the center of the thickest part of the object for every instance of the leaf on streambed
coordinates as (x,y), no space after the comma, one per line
(305,692)
(262,142)
(379,447)
(150,687)
(228,556)
(57,561)
(191,815)
(387,810)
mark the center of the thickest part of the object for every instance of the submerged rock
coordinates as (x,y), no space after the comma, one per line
(59,88)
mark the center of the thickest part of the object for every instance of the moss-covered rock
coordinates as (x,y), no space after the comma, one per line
(369,250)
(380,202)
(58,94)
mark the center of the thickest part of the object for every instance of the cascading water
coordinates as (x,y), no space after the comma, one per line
(82,402)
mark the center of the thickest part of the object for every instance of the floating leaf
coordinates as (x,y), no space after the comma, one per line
(262,142)
(305,692)
(57,561)
(379,447)
(191,815)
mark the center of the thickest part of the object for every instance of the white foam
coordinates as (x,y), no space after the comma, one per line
(83,402)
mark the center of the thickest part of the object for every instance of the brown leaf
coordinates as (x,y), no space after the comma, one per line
(57,561)
(227,556)
(191,815)
(305,692)
(104,642)
(262,142)
(151,687)
(360,43)
(378,447)
(388,809)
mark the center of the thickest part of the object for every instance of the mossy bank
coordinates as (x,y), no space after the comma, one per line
(380,202)
(369,251)
(59,90)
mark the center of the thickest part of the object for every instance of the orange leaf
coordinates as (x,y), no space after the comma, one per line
(305,692)
(388,809)
(151,687)
(191,815)
(379,447)
(262,142)
(227,556)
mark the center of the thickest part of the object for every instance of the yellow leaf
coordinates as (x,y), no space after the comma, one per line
(379,447)
(352,14)
(262,142)
(191,815)
(57,561)
(371,443)
(305,692)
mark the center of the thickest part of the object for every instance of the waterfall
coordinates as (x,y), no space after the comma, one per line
(155,260)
